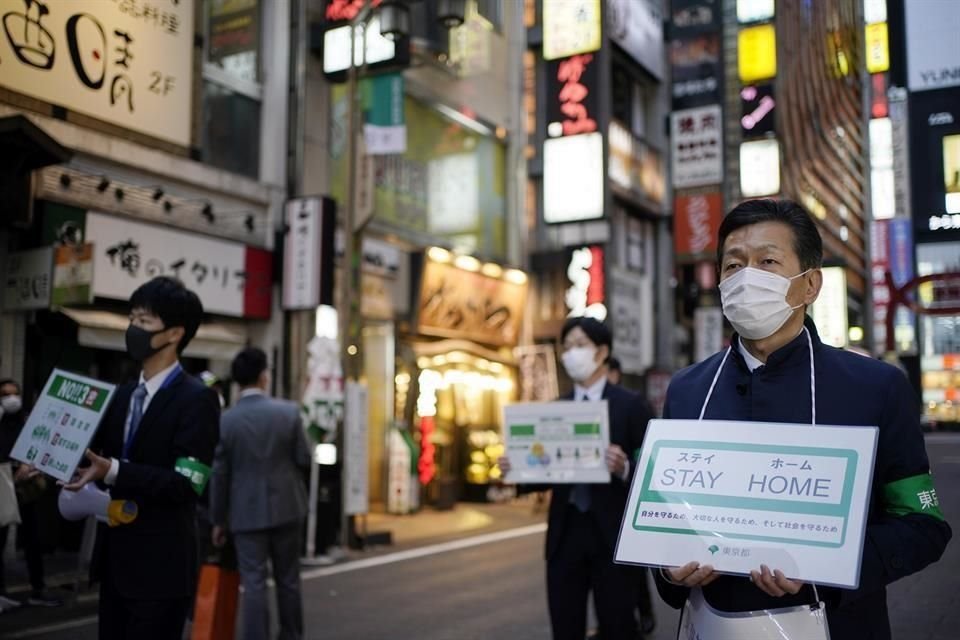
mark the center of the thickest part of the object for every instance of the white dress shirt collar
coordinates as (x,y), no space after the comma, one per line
(593,393)
(153,384)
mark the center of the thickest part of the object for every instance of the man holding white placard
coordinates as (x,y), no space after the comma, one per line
(584,518)
(777,370)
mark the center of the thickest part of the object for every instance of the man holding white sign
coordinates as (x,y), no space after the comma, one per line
(585,509)
(777,370)
(154,448)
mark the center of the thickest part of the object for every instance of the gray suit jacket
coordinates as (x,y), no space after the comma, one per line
(258,480)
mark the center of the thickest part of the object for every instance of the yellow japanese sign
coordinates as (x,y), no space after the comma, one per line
(757,53)
(878,50)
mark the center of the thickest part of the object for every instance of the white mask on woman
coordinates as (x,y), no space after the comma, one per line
(755,302)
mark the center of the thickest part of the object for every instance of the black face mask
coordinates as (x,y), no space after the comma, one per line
(138,343)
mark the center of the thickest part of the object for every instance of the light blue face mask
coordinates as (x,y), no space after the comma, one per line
(755,302)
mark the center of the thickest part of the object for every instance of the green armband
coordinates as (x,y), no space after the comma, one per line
(915,494)
(193,470)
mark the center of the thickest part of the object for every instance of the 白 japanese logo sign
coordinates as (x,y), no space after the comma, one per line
(128,62)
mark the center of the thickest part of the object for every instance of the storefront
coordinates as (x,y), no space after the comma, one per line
(72,288)
(940,334)
(463,372)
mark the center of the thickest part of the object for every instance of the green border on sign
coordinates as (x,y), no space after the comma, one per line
(841,510)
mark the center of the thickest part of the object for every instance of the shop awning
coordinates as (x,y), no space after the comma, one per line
(105,330)
(445,347)
(26,147)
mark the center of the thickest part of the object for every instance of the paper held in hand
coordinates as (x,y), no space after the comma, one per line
(557,442)
(736,495)
(62,423)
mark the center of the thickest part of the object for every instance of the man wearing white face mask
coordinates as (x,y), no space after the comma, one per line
(777,370)
(584,520)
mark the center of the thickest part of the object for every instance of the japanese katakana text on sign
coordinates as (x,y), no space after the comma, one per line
(738,494)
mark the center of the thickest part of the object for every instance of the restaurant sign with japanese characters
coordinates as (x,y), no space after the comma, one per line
(127,62)
(738,495)
(457,303)
(696,138)
(230,278)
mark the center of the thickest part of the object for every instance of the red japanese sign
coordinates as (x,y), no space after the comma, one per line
(346,9)
(573,92)
(696,222)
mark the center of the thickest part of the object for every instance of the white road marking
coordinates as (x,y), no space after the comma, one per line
(367,563)
(420,552)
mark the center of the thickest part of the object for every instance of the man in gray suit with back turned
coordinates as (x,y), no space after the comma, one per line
(257,493)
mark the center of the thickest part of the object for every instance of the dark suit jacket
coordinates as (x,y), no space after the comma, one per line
(154,557)
(629,414)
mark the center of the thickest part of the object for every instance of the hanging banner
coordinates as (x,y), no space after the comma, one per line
(356,493)
(696,223)
(631,319)
(308,253)
(126,63)
(384,129)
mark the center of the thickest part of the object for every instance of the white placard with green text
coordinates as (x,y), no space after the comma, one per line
(736,495)
(557,442)
(62,423)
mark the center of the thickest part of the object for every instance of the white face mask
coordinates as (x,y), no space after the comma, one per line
(755,302)
(11,404)
(580,362)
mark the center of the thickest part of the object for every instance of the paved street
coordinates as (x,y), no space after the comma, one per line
(491,586)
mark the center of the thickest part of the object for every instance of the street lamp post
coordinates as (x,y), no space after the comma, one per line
(351,320)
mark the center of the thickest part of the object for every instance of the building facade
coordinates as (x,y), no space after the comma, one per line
(150,144)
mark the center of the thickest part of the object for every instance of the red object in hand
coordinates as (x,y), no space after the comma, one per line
(215,611)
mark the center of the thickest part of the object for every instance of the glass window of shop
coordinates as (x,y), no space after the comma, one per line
(449,183)
(940,334)
(232,92)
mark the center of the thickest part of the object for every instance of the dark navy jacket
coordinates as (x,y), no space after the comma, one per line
(851,390)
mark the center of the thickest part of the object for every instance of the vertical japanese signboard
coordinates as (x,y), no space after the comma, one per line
(696,223)
(62,423)
(573,96)
(308,253)
(696,139)
(128,63)
(356,494)
(26,280)
(879,264)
